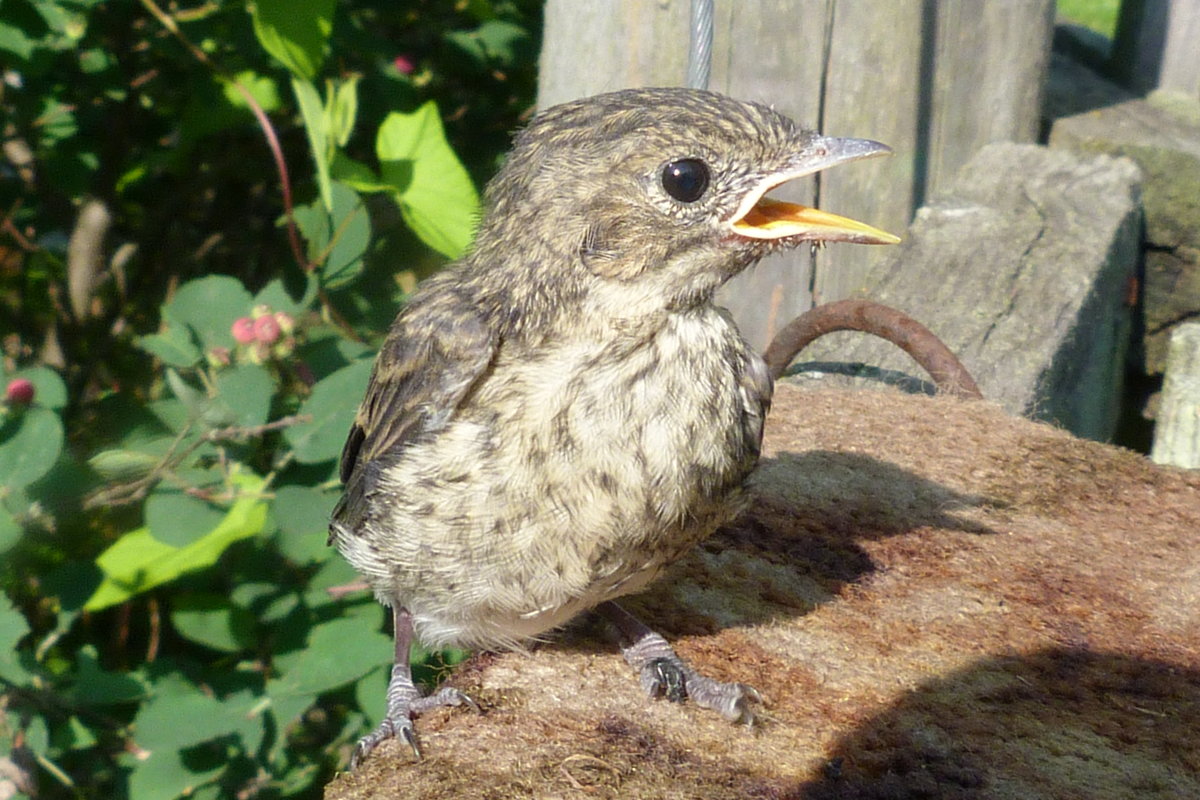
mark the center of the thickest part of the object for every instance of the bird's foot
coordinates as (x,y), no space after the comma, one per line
(404,703)
(665,674)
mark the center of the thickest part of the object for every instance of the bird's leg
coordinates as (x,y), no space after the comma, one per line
(663,673)
(404,700)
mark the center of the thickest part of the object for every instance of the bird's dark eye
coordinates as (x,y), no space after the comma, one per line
(685,179)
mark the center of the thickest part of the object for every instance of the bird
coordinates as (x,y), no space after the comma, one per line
(555,418)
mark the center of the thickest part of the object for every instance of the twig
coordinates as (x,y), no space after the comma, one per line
(240,434)
(264,123)
(133,491)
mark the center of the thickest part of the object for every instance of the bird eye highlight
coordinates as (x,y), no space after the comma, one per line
(686,179)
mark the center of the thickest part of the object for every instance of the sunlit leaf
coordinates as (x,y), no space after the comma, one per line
(342,110)
(294,33)
(138,562)
(315,125)
(262,88)
(435,193)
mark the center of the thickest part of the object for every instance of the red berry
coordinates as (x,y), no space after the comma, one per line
(243,330)
(20,392)
(266,329)
(404,64)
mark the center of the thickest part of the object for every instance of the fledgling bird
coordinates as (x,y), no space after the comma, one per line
(562,414)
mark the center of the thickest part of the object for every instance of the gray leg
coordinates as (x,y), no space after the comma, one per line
(665,674)
(404,700)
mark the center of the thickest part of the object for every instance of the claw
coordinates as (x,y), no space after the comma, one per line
(410,736)
(666,679)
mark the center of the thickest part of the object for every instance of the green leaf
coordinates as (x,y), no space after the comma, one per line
(209,306)
(435,193)
(349,238)
(174,346)
(371,693)
(15,41)
(74,736)
(178,519)
(95,686)
(337,241)
(315,122)
(357,175)
(294,33)
(58,123)
(122,465)
(194,400)
(504,41)
(10,531)
(332,406)
(338,652)
(262,88)
(342,110)
(162,774)
(30,442)
(179,716)
(138,562)
(275,296)
(303,516)
(469,48)
(246,391)
(13,628)
(213,621)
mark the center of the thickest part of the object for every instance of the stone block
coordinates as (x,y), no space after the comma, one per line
(1023,268)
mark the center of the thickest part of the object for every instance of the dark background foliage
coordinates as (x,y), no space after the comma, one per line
(179,369)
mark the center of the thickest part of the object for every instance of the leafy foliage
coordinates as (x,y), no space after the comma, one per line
(206,217)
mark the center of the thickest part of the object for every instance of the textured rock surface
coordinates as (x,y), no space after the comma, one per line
(1162,134)
(1023,268)
(938,599)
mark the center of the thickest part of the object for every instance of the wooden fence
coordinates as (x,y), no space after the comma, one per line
(935,79)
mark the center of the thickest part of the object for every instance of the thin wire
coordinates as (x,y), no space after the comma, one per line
(700,44)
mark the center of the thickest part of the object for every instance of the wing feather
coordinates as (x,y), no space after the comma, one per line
(435,353)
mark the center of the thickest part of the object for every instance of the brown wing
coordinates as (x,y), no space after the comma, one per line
(434,354)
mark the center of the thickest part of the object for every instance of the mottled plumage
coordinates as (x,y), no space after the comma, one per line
(564,412)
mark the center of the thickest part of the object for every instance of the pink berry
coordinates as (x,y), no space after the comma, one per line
(243,330)
(266,329)
(20,392)
(404,64)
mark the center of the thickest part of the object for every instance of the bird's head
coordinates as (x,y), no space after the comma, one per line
(655,197)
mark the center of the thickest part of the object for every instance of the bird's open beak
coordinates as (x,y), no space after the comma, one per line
(761,217)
